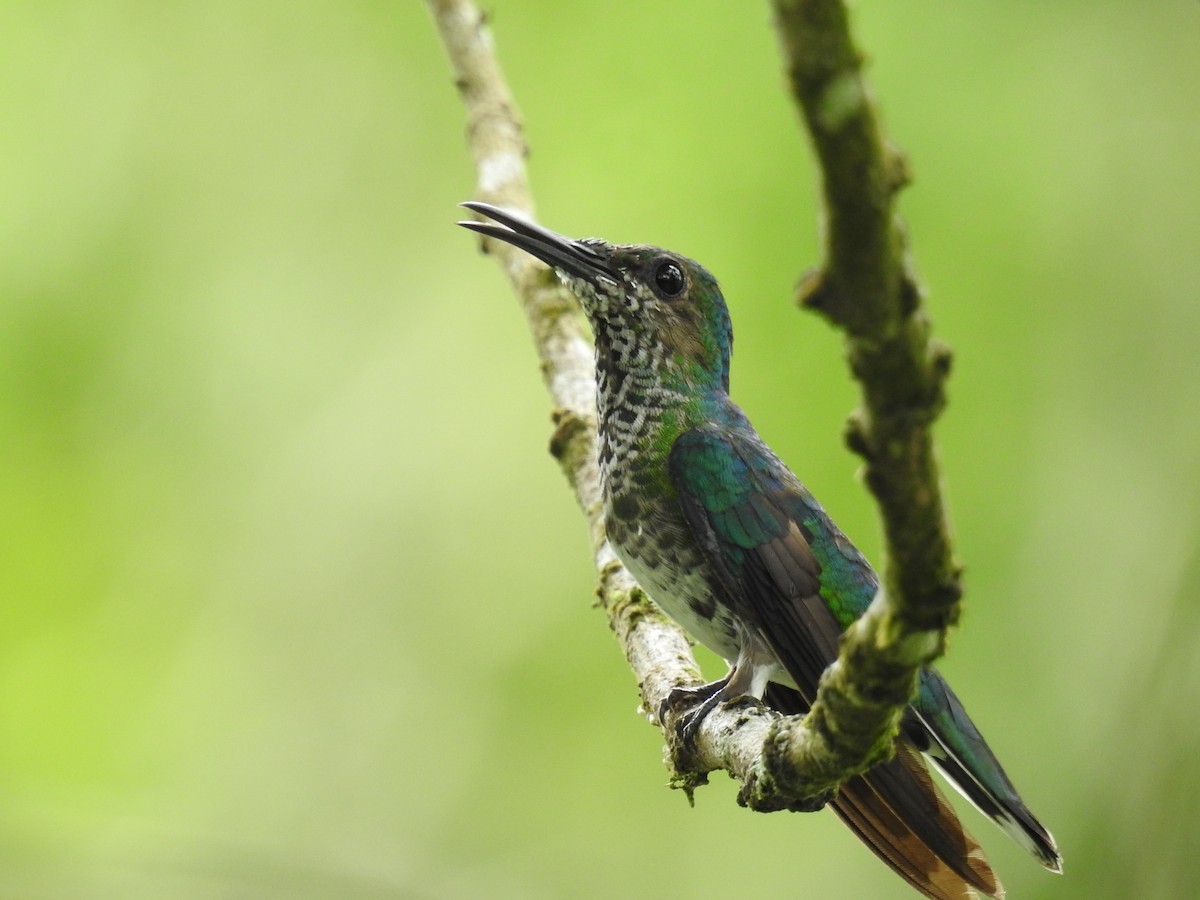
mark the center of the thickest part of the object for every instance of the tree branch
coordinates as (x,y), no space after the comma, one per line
(656,648)
(784,762)
(866,288)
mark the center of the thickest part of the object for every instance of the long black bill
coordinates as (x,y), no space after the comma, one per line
(555,250)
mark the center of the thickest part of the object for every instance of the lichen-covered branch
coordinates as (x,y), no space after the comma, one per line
(784,762)
(655,647)
(866,287)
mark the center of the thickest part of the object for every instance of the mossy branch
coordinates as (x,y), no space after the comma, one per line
(784,762)
(866,288)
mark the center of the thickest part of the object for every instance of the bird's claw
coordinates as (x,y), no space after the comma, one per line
(703,699)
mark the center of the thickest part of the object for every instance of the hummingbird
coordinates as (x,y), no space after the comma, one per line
(727,541)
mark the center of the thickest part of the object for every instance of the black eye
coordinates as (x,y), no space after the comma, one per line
(669,278)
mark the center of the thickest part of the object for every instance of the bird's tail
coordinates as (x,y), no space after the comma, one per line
(940,728)
(897,811)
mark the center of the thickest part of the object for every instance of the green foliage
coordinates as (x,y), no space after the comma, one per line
(294,602)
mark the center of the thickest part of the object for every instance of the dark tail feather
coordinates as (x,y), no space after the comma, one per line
(897,811)
(939,727)
(1009,813)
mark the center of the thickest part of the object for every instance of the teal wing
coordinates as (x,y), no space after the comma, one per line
(789,570)
(784,565)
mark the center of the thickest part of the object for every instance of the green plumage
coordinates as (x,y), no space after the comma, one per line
(726,539)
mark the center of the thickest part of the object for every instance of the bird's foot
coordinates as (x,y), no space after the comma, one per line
(703,699)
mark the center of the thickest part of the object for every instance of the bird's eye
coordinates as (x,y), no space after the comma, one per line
(669,278)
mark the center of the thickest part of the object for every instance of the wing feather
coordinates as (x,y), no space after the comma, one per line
(756,527)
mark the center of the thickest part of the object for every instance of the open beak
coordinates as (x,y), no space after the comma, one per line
(584,260)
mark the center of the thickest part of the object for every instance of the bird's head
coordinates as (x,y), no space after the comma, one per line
(649,308)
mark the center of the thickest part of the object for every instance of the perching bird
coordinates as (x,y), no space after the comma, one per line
(729,543)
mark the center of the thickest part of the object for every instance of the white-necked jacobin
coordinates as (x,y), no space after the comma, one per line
(729,543)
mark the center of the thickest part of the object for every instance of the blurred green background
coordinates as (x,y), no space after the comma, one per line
(294,602)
